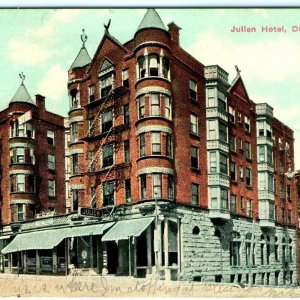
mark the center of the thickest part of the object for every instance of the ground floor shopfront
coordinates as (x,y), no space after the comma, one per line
(166,241)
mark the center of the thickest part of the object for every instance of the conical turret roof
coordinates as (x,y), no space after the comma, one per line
(151,20)
(22,95)
(83,58)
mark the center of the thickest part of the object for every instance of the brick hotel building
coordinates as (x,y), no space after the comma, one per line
(174,171)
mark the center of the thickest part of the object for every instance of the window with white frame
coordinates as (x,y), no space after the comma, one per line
(156,142)
(214,197)
(222,132)
(223,164)
(127,190)
(233,171)
(142,184)
(20,155)
(141,106)
(142,145)
(193,124)
(212,126)
(213,161)
(248,150)
(249,207)
(91,93)
(168,111)
(211,97)
(194,158)
(231,112)
(169,145)
(235,245)
(233,203)
(51,188)
(126,151)
(106,85)
(224,198)
(51,162)
(241,171)
(155,104)
(247,124)
(193,89)
(156,186)
(141,64)
(232,143)
(261,153)
(50,137)
(125,79)
(170,187)
(106,120)
(20,212)
(74,132)
(108,193)
(20,183)
(153,61)
(195,194)
(248,177)
(74,99)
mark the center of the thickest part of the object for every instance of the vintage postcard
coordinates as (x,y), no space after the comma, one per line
(149,152)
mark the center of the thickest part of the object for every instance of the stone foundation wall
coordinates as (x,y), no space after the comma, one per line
(206,255)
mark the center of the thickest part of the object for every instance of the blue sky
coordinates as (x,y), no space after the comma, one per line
(44,42)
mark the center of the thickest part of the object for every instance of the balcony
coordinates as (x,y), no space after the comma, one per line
(265,195)
(216,72)
(217,145)
(264,140)
(219,214)
(265,167)
(218,179)
(267,223)
(215,112)
(263,109)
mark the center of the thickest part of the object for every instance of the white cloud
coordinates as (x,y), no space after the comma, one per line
(53,85)
(261,12)
(265,60)
(36,44)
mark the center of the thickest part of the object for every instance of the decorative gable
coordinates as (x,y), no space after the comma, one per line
(105,67)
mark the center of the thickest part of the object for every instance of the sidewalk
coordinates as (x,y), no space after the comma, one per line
(99,286)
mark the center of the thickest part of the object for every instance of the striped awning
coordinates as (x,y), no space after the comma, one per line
(124,229)
(48,239)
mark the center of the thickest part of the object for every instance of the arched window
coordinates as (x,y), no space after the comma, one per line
(235,247)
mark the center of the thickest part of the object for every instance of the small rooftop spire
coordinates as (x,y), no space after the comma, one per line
(22,76)
(106,26)
(22,94)
(84,38)
(238,71)
(151,20)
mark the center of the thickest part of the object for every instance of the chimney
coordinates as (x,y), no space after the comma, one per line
(174,33)
(40,102)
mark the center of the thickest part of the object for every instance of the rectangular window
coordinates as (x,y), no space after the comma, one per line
(141,107)
(126,114)
(247,124)
(241,172)
(249,208)
(126,151)
(107,156)
(224,199)
(108,193)
(222,132)
(239,117)
(20,153)
(154,103)
(75,200)
(194,158)
(51,162)
(20,212)
(242,204)
(235,253)
(169,145)
(213,161)
(168,112)
(74,132)
(170,187)
(91,93)
(127,188)
(193,90)
(106,120)
(106,85)
(125,80)
(51,188)
(142,145)
(282,215)
(195,194)
(247,150)
(261,153)
(212,130)
(50,137)
(143,186)
(156,186)
(289,217)
(232,141)
(223,164)
(214,197)
(194,124)
(269,155)
(211,94)
(248,176)
(156,143)
(231,113)
(20,181)
(232,171)
(233,203)
(74,164)
(74,97)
